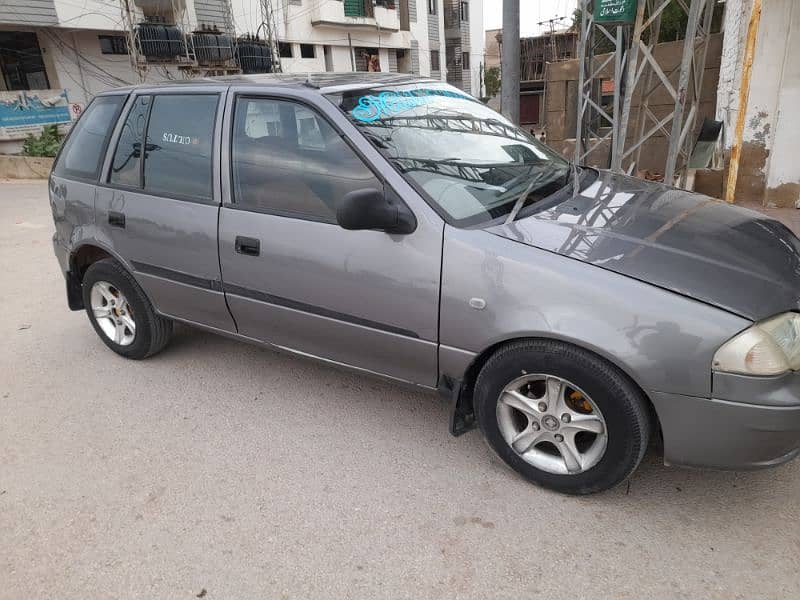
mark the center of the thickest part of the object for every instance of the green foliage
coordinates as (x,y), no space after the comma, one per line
(491,79)
(45,144)
(673,23)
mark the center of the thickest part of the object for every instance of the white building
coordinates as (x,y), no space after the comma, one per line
(81,46)
(438,38)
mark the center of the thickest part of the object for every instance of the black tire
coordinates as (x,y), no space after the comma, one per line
(152,330)
(623,407)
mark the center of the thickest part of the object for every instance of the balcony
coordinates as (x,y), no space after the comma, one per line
(383,14)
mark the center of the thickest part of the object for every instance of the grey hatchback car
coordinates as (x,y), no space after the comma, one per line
(397,226)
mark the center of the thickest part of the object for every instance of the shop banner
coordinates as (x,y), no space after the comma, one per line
(25,111)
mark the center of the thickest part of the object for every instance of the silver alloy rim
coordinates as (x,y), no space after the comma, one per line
(552,424)
(113,313)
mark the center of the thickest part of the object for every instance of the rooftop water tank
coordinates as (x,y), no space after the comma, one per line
(159,41)
(253,55)
(212,46)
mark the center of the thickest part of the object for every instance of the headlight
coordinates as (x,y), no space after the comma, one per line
(770,347)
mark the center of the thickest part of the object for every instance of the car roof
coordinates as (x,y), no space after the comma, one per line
(324,82)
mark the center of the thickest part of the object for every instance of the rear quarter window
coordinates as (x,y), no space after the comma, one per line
(82,154)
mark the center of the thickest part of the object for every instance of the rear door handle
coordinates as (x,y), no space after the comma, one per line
(247,245)
(116,219)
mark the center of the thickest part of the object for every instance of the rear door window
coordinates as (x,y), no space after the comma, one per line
(177,134)
(180,138)
(83,152)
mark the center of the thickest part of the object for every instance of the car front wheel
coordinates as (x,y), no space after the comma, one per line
(562,417)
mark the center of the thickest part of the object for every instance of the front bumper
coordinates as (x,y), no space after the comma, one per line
(732,434)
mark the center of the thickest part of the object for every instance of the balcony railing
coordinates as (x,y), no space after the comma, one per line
(358,8)
(367,13)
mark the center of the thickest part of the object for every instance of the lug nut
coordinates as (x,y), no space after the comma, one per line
(535,426)
(566,418)
(559,437)
(542,406)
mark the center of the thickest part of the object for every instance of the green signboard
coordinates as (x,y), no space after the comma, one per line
(615,11)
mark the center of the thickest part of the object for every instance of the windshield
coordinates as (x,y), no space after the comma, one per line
(472,162)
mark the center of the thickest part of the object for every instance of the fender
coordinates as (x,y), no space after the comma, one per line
(74,278)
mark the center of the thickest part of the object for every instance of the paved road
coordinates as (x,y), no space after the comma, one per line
(224,467)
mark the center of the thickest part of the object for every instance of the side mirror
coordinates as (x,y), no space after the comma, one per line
(372,209)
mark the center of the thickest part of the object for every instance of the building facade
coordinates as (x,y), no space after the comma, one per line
(535,54)
(68,50)
(768,170)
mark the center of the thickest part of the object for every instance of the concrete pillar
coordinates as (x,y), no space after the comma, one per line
(509,92)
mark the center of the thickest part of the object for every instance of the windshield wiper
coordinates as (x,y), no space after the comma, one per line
(377,140)
(424,159)
(522,198)
(575,174)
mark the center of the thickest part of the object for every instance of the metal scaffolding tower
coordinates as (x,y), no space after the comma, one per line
(269,25)
(129,21)
(622,127)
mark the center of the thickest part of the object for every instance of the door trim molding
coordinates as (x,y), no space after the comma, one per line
(251,294)
(179,276)
(260,296)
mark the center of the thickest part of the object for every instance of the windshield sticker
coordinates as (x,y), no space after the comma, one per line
(386,104)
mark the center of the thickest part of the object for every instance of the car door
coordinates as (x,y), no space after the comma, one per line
(159,203)
(292,276)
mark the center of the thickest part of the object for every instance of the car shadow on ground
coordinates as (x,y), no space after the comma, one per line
(394,408)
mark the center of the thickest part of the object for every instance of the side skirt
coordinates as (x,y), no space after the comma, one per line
(285,349)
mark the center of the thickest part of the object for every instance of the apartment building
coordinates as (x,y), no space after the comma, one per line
(424,37)
(55,55)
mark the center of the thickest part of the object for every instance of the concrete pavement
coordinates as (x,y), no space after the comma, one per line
(226,471)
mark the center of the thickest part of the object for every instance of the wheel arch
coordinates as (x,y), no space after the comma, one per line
(81,258)
(470,375)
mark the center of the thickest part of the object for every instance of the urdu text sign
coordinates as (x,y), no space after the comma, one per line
(615,11)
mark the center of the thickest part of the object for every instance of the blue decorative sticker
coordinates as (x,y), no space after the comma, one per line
(386,104)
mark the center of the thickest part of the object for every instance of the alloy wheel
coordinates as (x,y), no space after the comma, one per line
(552,424)
(113,313)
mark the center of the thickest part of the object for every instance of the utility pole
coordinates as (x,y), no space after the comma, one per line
(352,56)
(551,23)
(744,95)
(509,61)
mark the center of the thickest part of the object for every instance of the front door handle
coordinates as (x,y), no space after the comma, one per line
(116,219)
(247,245)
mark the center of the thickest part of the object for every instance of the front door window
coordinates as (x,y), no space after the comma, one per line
(287,160)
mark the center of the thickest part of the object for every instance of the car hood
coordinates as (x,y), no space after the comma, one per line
(706,249)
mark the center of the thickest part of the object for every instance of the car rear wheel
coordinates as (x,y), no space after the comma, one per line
(562,417)
(121,313)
